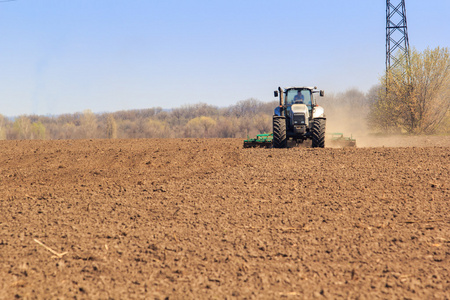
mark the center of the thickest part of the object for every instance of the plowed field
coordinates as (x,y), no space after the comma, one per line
(205,218)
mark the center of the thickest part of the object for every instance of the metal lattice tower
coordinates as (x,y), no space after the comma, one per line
(396,32)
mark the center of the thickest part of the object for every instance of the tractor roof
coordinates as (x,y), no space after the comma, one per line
(301,88)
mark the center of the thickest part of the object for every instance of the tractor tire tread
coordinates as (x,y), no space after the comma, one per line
(318,133)
(279,132)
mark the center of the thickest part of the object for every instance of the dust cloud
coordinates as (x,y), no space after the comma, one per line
(350,124)
(347,113)
(355,125)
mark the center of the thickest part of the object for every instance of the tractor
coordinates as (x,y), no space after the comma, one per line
(298,118)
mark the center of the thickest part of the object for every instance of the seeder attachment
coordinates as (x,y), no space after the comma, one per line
(262,141)
(339,140)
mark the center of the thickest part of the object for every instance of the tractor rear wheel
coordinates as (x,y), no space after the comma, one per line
(318,133)
(279,132)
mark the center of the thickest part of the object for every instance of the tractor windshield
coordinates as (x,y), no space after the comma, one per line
(298,96)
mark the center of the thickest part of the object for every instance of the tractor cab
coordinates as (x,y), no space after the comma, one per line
(299,96)
(292,96)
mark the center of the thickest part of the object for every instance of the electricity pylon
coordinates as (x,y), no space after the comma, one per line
(396,33)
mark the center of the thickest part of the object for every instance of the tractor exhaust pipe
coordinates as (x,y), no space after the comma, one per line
(280,93)
(280,90)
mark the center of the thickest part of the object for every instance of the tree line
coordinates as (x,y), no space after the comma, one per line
(413,97)
(247,117)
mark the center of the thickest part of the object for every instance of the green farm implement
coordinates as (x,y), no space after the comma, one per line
(339,140)
(261,141)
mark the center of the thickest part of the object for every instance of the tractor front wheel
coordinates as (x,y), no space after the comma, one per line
(279,132)
(318,133)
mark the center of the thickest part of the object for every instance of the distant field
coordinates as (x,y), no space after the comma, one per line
(205,218)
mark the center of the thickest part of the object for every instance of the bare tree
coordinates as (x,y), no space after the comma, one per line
(249,107)
(200,127)
(2,128)
(430,101)
(38,131)
(88,124)
(111,127)
(22,128)
(262,123)
(416,97)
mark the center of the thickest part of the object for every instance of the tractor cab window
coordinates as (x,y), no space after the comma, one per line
(298,96)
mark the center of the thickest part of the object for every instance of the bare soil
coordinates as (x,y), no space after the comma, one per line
(205,218)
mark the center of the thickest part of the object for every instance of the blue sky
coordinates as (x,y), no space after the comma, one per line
(65,56)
